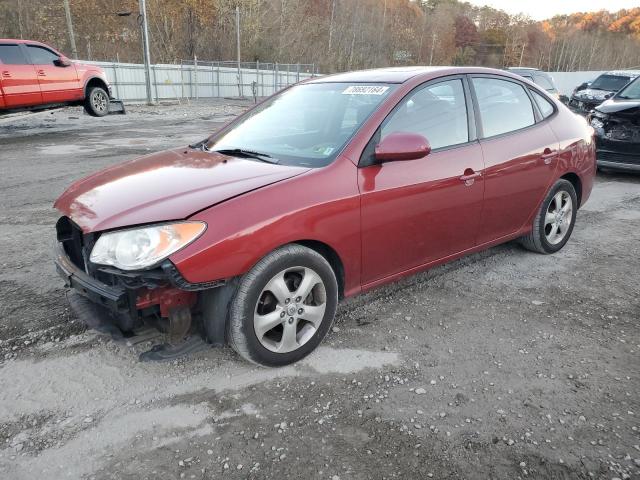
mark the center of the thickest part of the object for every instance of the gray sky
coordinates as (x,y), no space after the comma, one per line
(541,9)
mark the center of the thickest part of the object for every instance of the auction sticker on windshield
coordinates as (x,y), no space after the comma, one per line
(365,90)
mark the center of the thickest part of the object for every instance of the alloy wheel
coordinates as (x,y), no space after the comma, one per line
(290,309)
(558,217)
(99,101)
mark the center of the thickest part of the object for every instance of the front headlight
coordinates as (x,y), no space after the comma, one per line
(140,248)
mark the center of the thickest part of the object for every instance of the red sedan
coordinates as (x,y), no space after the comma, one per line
(327,189)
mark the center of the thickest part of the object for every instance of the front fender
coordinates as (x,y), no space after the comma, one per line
(322,205)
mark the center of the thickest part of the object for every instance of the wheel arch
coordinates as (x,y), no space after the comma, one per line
(574,179)
(217,300)
(331,256)
(95,82)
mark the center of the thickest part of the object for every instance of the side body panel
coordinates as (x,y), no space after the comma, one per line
(516,177)
(418,211)
(57,84)
(20,84)
(577,149)
(322,205)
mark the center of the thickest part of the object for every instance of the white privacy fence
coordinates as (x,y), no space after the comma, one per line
(202,79)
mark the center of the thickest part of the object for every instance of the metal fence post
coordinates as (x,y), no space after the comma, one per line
(275,78)
(181,79)
(155,81)
(218,79)
(115,80)
(195,67)
(297,72)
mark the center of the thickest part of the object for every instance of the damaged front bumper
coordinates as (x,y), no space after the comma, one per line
(617,141)
(122,302)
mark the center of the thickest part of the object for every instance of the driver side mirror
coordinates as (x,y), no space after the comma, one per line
(62,62)
(400,146)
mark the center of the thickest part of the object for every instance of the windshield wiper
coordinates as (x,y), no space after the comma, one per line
(241,152)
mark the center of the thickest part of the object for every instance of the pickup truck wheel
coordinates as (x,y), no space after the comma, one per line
(283,307)
(553,223)
(97,102)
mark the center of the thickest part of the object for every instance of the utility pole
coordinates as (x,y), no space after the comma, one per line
(142,20)
(72,37)
(238,49)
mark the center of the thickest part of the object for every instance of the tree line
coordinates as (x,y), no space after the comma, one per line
(336,35)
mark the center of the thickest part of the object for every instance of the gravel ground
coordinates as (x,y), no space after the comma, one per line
(504,365)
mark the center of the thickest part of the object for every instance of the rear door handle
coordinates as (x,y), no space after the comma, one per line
(549,155)
(6,73)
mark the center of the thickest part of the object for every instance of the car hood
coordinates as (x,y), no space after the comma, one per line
(617,105)
(590,95)
(170,185)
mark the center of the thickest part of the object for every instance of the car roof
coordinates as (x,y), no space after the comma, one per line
(20,40)
(530,69)
(403,74)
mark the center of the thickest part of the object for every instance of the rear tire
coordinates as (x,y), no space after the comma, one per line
(554,221)
(96,103)
(283,307)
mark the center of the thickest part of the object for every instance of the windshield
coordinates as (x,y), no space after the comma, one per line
(612,83)
(631,91)
(306,125)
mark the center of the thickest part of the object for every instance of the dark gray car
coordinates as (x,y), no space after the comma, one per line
(589,95)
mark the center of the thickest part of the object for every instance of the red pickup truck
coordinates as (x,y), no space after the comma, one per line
(34,75)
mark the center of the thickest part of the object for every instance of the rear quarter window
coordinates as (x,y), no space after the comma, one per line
(546,108)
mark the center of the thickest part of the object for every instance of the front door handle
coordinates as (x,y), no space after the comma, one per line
(6,73)
(42,73)
(470,176)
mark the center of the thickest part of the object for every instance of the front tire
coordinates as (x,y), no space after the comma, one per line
(554,221)
(97,102)
(283,307)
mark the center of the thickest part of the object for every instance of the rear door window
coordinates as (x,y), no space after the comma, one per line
(12,55)
(504,106)
(41,55)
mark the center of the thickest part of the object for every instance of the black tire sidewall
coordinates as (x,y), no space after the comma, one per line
(243,306)
(560,185)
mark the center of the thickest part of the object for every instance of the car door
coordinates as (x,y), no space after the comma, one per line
(519,150)
(18,77)
(57,83)
(418,211)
